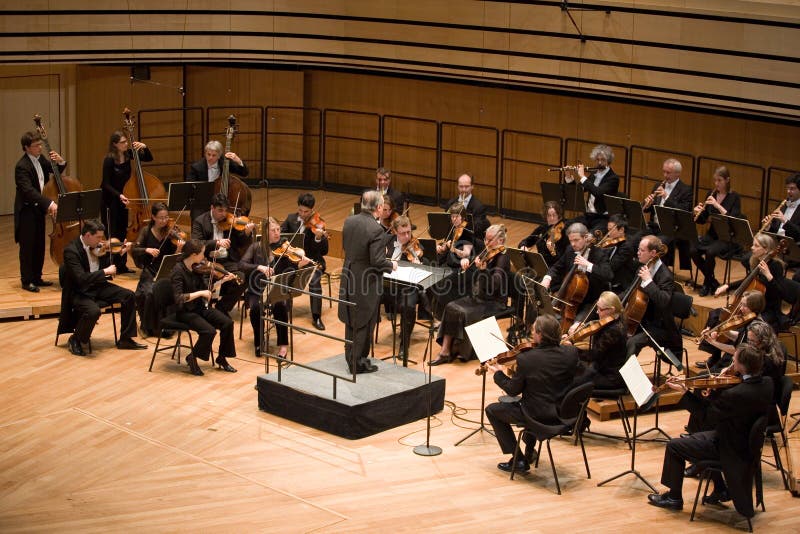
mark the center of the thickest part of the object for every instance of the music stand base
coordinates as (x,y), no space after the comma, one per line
(427,450)
(630,472)
(665,439)
(482,428)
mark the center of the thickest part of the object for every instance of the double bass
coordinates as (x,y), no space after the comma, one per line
(142,189)
(234,189)
(63,232)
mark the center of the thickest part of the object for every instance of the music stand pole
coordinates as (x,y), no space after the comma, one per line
(482,427)
(427,449)
(632,470)
(656,378)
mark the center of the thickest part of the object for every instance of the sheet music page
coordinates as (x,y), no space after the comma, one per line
(638,384)
(486,338)
(408,274)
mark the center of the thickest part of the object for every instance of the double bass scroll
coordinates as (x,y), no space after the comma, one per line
(230,185)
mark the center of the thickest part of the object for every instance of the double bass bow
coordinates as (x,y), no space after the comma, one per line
(230,185)
(63,232)
(142,189)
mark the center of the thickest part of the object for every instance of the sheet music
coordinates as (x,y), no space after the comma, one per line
(486,338)
(410,275)
(638,384)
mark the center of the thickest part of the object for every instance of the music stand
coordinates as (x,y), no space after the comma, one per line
(665,353)
(356,208)
(186,196)
(570,196)
(734,231)
(79,206)
(428,249)
(678,225)
(632,209)
(278,288)
(439,225)
(168,262)
(792,248)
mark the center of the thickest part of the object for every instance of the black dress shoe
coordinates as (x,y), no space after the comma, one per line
(443,358)
(125,270)
(717,497)
(193,367)
(43,283)
(703,291)
(225,366)
(75,347)
(692,471)
(129,344)
(663,500)
(30,287)
(369,368)
(520,467)
(317,322)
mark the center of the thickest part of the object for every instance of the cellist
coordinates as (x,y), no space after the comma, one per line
(116,172)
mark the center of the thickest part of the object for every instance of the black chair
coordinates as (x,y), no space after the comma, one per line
(164,299)
(778,427)
(571,414)
(617,395)
(709,467)
(108,307)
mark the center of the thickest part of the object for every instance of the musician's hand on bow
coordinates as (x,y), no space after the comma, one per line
(124,200)
(644,273)
(677,383)
(494,366)
(266,270)
(153,252)
(764,268)
(202,294)
(464,263)
(223,243)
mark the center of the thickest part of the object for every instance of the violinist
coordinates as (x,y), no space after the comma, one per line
(550,239)
(603,181)
(116,172)
(85,283)
(672,193)
(387,215)
(601,363)
(588,260)
(489,296)
(720,200)
(543,376)
(315,244)
(222,243)
(473,207)
(657,283)
(383,184)
(157,239)
(733,412)
(712,342)
(209,169)
(621,253)
(31,172)
(192,298)
(457,248)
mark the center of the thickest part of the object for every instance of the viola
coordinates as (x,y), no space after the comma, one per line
(506,357)
(591,328)
(293,254)
(215,270)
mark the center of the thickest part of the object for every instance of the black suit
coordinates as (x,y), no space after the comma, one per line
(82,289)
(680,198)
(398,199)
(599,279)
(361,282)
(315,250)
(609,185)
(658,318)
(198,172)
(543,377)
(30,209)
(735,410)
(791,227)
(478,213)
(622,258)
(203,229)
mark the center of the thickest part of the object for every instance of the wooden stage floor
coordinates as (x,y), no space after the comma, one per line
(98,444)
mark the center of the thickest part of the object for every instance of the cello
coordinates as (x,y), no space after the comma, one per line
(572,291)
(141,189)
(234,189)
(635,300)
(751,282)
(63,232)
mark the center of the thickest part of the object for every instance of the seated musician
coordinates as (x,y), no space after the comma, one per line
(86,283)
(719,201)
(211,167)
(600,364)
(581,258)
(550,240)
(156,240)
(456,250)
(223,245)
(257,264)
(315,245)
(603,181)
(621,253)
(543,376)
(473,206)
(383,183)
(715,342)
(404,247)
(657,284)
(734,411)
(387,215)
(672,193)
(192,298)
(489,296)
(770,276)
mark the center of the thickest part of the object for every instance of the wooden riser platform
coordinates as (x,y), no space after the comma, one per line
(606,409)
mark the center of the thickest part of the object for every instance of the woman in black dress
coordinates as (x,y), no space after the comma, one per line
(116,172)
(550,239)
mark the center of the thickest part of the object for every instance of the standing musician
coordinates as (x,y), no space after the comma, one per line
(657,283)
(192,298)
(456,250)
(116,172)
(581,258)
(85,283)
(621,253)
(383,184)
(315,244)
(31,172)
(734,411)
(720,200)
(361,281)
(157,239)
(257,264)
(209,169)
(550,239)
(223,245)
(603,181)
(473,206)
(715,342)
(600,364)
(489,296)
(543,376)
(672,193)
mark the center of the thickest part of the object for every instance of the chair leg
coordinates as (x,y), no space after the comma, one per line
(241,319)
(516,453)
(583,450)
(553,466)
(705,476)
(778,463)
(155,351)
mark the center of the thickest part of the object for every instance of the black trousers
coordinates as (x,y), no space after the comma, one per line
(88,312)
(356,354)
(206,322)
(694,448)
(31,244)
(501,416)
(280,312)
(315,286)
(704,256)
(117,226)
(148,315)
(229,294)
(403,302)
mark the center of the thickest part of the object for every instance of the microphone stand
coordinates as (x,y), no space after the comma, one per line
(427,449)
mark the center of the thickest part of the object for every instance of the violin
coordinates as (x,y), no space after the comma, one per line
(237,222)
(706,382)
(591,328)
(412,250)
(458,230)
(176,235)
(113,245)
(293,254)
(554,235)
(486,256)
(506,357)
(315,223)
(734,323)
(215,270)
